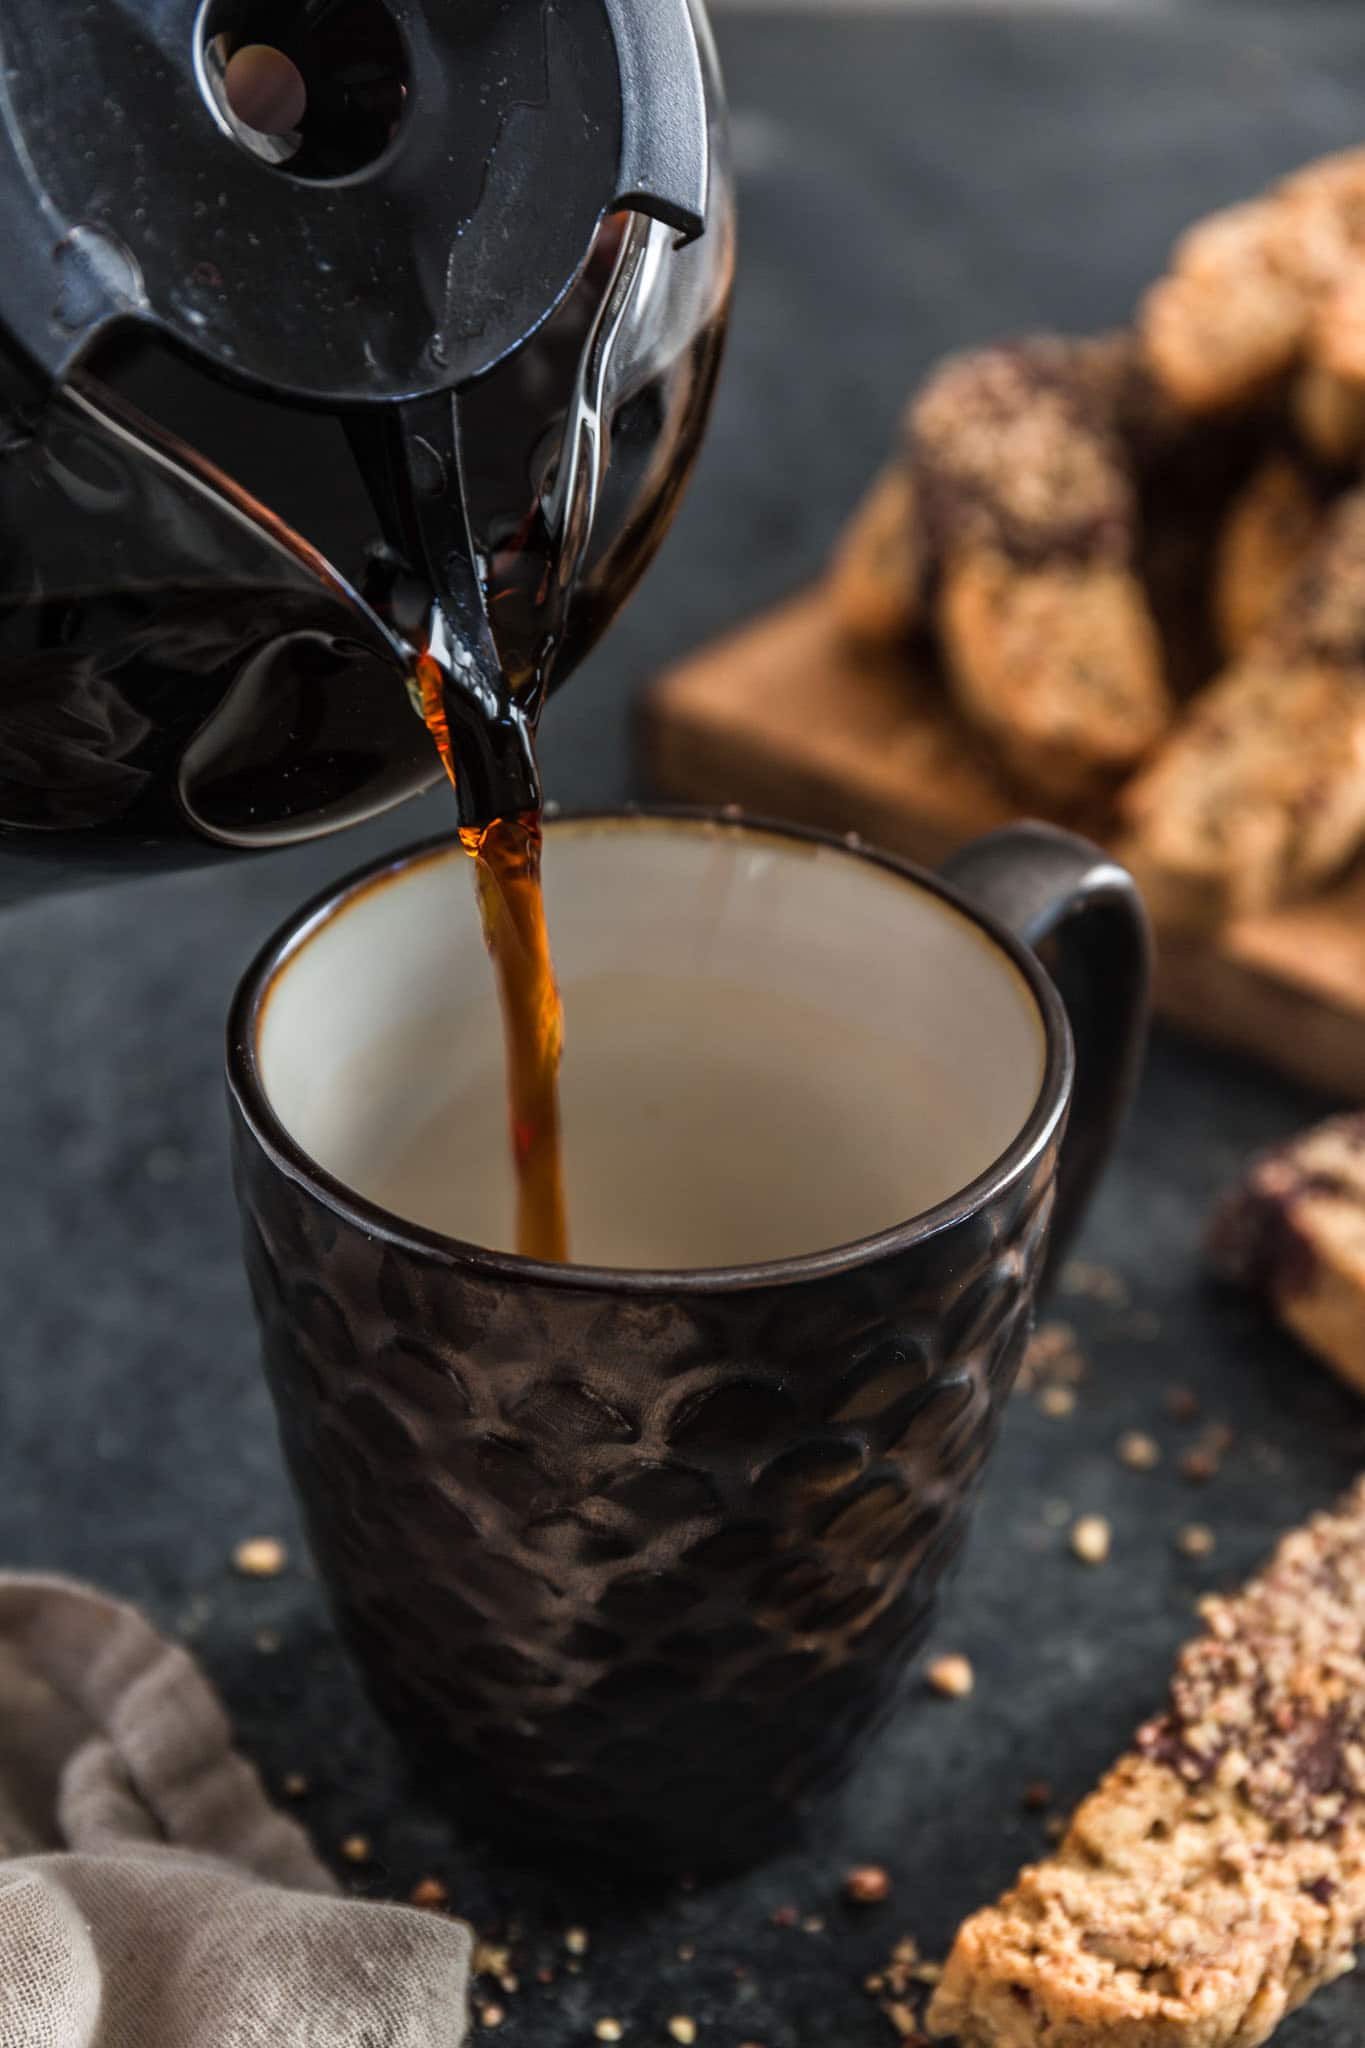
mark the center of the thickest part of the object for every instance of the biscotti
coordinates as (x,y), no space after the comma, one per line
(1267,537)
(1294,1233)
(877,572)
(1227,320)
(1058,666)
(1329,415)
(1026,495)
(1216,1878)
(1259,793)
(1256,291)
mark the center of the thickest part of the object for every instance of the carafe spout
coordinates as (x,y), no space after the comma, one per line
(487,741)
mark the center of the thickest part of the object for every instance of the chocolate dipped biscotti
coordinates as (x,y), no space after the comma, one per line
(1293,1232)
(1216,1878)
(1026,494)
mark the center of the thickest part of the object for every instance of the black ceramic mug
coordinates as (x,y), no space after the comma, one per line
(636,1549)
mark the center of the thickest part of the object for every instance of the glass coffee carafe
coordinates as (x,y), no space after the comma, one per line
(425,357)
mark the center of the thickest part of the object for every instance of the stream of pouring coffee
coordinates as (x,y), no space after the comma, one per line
(506,857)
(532,577)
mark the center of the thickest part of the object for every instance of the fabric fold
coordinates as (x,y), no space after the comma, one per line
(150,1893)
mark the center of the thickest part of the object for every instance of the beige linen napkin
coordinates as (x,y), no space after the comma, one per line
(150,1895)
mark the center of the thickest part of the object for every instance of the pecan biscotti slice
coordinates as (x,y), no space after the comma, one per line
(1329,414)
(1259,794)
(1294,1233)
(1257,290)
(877,572)
(1267,538)
(1217,1876)
(1027,497)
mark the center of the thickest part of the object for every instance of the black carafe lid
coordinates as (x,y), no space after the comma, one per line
(436,201)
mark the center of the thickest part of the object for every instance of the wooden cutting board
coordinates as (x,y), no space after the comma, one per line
(786,719)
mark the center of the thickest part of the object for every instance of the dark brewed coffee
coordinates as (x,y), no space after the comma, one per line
(506,855)
(549,595)
(507,865)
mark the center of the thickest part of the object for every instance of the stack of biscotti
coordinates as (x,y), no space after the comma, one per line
(1216,1878)
(1140,559)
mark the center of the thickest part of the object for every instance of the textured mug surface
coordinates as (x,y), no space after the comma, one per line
(637,1556)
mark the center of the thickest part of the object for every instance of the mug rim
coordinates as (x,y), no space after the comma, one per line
(246,1084)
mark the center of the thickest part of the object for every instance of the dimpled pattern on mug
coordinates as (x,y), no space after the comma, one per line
(644,1565)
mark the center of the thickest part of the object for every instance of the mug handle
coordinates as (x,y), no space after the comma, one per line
(1045,884)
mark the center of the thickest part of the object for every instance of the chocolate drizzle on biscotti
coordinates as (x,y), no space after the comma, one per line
(1293,1232)
(1012,449)
(1255,1240)
(1270,1700)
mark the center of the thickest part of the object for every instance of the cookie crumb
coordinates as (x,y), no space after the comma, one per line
(1057,1402)
(1091,1537)
(490,1959)
(609,2030)
(356,1848)
(784,1916)
(1182,1404)
(1053,1358)
(903,1968)
(683,2029)
(867,1884)
(491,2015)
(1138,1451)
(260,1557)
(1196,1539)
(1054,1827)
(952,1677)
(812,1924)
(687,1952)
(1096,1283)
(1037,1796)
(295,1785)
(576,1940)
(268,1641)
(428,1893)
(1199,1466)
(903,2020)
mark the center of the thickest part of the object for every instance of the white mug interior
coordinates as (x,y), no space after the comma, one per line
(773,1046)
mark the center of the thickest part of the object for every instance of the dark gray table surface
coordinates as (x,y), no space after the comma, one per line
(909,184)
